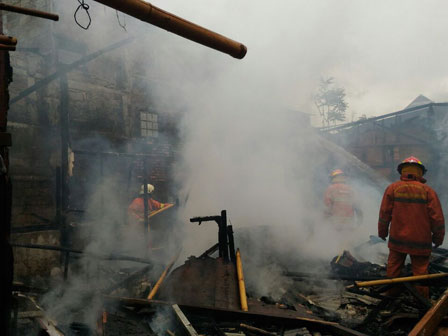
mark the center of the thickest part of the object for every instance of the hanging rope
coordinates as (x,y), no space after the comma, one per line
(122,25)
(85,7)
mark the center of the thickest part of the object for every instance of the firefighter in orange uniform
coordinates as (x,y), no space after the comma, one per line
(416,221)
(340,202)
(136,209)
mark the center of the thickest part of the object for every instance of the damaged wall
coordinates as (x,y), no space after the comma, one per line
(104,99)
(383,142)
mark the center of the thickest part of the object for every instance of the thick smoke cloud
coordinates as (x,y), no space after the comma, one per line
(244,148)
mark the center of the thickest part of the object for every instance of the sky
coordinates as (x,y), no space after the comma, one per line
(384,53)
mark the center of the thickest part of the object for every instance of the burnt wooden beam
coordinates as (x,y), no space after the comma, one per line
(238,315)
(210,251)
(129,279)
(67,68)
(186,324)
(431,320)
(93,255)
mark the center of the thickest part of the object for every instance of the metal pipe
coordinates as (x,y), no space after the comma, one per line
(148,13)
(163,276)
(399,280)
(242,286)
(29,11)
(8,40)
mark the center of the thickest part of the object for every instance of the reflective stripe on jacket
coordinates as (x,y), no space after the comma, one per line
(339,200)
(415,216)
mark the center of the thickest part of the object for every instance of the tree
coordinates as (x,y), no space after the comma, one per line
(330,101)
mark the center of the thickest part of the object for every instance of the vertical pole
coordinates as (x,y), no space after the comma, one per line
(15,316)
(241,283)
(6,253)
(231,243)
(66,263)
(58,196)
(58,217)
(145,201)
(64,129)
(102,186)
(223,236)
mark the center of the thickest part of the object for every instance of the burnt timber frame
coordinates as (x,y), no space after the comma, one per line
(226,244)
(238,315)
(6,254)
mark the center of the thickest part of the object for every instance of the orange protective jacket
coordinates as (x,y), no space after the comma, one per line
(137,210)
(339,200)
(415,215)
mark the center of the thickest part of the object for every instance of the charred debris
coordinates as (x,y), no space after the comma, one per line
(206,295)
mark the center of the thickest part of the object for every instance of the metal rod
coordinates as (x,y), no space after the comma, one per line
(145,203)
(241,284)
(400,280)
(148,13)
(101,181)
(29,11)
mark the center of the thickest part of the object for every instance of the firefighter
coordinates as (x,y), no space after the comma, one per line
(340,203)
(136,209)
(413,211)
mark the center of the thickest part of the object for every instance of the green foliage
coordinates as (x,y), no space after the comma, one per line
(330,101)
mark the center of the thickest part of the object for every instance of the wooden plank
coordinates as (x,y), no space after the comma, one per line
(429,323)
(184,321)
(156,212)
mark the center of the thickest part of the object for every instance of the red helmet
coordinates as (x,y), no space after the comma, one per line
(411,160)
(336,172)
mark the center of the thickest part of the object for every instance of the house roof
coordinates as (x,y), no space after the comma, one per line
(420,100)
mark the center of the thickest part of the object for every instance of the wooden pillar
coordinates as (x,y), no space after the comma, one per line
(6,255)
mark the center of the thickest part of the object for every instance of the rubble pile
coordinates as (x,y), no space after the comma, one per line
(203,297)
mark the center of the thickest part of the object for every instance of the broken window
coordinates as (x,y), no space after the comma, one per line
(149,126)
